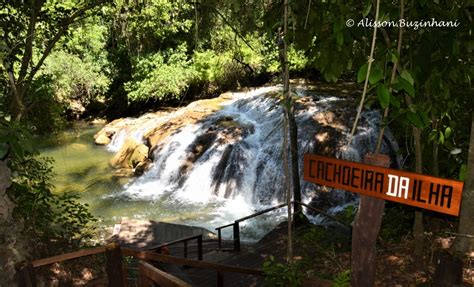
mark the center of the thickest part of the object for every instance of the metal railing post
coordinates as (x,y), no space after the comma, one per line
(219,236)
(200,247)
(220,279)
(185,249)
(236,236)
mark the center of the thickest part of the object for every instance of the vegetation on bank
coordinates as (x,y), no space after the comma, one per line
(63,60)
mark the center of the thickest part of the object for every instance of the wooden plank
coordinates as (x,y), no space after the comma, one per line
(160,277)
(67,256)
(27,276)
(146,255)
(114,265)
(428,192)
(366,231)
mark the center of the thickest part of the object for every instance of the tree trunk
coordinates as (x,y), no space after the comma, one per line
(465,244)
(449,264)
(295,169)
(286,108)
(418,228)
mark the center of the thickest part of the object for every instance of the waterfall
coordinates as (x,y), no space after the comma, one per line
(235,153)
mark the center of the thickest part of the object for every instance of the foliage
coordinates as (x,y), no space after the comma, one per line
(46,114)
(161,76)
(29,31)
(48,217)
(15,141)
(397,223)
(342,279)
(78,68)
(348,214)
(281,274)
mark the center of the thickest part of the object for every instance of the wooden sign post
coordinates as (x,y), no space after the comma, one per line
(376,183)
(427,192)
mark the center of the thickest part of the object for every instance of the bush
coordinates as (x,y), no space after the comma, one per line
(46,113)
(47,218)
(75,78)
(161,76)
(280,274)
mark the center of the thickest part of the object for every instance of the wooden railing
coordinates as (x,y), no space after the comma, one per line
(149,274)
(219,268)
(116,273)
(185,240)
(236,223)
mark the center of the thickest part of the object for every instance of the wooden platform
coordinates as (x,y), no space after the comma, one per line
(146,233)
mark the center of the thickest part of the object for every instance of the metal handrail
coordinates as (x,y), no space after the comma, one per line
(236,225)
(185,241)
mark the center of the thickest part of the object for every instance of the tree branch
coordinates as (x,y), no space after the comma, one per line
(29,39)
(64,27)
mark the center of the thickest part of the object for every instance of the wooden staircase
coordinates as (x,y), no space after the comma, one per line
(196,260)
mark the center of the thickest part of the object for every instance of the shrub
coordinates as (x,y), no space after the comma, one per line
(281,274)
(48,218)
(161,76)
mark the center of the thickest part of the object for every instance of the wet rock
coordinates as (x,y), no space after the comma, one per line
(124,172)
(200,145)
(131,152)
(102,139)
(142,167)
(139,155)
(98,122)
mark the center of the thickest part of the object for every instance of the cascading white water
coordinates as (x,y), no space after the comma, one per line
(232,159)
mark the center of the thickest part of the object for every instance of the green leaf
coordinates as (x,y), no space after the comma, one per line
(394,101)
(463,172)
(384,96)
(424,117)
(407,76)
(394,57)
(361,74)
(376,74)
(405,85)
(415,119)
(367,7)
(340,38)
(441,137)
(447,132)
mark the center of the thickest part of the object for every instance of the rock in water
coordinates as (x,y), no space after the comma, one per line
(130,154)
(102,139)
(140,154)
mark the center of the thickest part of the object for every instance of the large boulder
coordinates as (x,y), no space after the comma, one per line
(102,139)
(6,206)
(130,154)
(140,154)
(14,247)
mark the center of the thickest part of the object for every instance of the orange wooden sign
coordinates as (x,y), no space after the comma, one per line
(428,192)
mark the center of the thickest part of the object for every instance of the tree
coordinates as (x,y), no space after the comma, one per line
(29,32)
